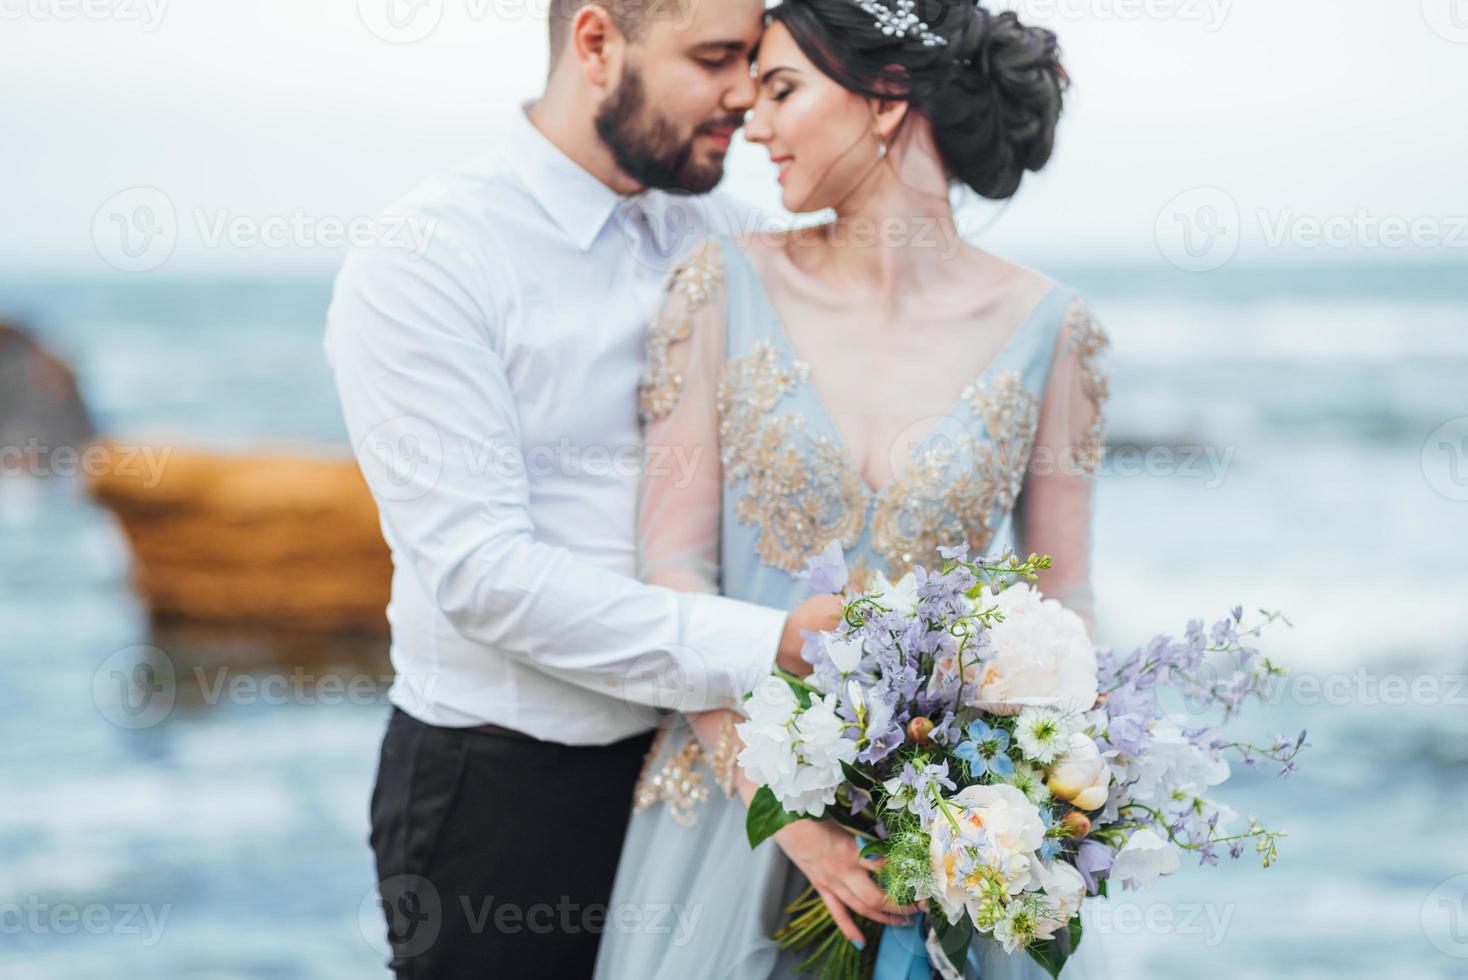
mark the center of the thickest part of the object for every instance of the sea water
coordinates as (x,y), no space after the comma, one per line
(1272,444)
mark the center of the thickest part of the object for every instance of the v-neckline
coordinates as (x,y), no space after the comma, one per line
(802,365)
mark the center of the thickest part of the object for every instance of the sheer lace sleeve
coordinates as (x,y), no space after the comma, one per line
(1069,445)
(678,511)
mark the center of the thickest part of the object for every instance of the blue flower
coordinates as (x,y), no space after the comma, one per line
(1049,848)
(985,750)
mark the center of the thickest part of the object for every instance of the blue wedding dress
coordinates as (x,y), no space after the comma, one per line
(774,485)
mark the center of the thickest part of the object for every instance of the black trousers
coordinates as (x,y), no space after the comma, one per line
(495,854)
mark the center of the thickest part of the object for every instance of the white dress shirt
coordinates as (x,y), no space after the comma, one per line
(489,386)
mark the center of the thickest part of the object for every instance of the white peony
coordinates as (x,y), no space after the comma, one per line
(1172,764)
(796,753)
(1065,887)
(1143,859)
(1042,655)
(1081,775)
(1001,825)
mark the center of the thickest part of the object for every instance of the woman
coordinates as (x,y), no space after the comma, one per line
(875,382)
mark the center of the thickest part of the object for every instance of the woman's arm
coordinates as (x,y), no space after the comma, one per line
(679,516)
(1069,446)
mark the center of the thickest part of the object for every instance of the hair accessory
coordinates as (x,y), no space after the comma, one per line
(902,22)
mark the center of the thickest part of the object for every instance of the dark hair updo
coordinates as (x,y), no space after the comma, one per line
(993,93)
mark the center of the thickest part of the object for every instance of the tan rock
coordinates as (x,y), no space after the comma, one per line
(275,539)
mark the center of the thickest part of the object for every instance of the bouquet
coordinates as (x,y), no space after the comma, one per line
(966,729)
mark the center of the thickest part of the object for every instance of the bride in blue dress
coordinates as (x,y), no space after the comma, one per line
(873,381)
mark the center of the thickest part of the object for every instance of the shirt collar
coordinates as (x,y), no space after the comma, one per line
(575,200)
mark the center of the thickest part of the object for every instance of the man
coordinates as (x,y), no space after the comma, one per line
(489,386)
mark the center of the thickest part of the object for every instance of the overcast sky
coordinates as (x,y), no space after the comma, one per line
(1313,130)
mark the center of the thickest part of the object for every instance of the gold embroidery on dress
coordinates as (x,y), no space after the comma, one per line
(800,501)
(697,280)
(724,761)
(802,491)
(1086,335)
(677,782)
(931,505)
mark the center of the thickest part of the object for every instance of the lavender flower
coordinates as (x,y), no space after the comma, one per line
(1093,860)
(826,572)
(914,789)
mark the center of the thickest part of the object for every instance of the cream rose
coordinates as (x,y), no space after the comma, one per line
(1001,825)
(1042,655)
(1081,775)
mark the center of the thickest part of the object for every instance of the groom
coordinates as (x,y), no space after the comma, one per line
(489,387)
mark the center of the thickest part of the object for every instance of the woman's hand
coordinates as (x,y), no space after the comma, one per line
(818,614)
(830,858)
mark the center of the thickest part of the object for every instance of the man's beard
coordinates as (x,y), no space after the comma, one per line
(647,147)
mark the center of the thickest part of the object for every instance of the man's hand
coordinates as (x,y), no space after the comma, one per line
(816,615)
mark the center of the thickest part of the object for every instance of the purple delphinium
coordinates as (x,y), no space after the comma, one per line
(1093,861)
(1129,714)
(826,573)
(917,787)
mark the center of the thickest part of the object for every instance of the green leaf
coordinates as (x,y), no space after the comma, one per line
(1048,956)
(1052,953)
(766,816)
(953,937)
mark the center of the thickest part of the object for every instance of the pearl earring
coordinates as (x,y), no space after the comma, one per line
(882,150)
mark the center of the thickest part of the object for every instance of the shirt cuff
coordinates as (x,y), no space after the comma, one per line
(733,645)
